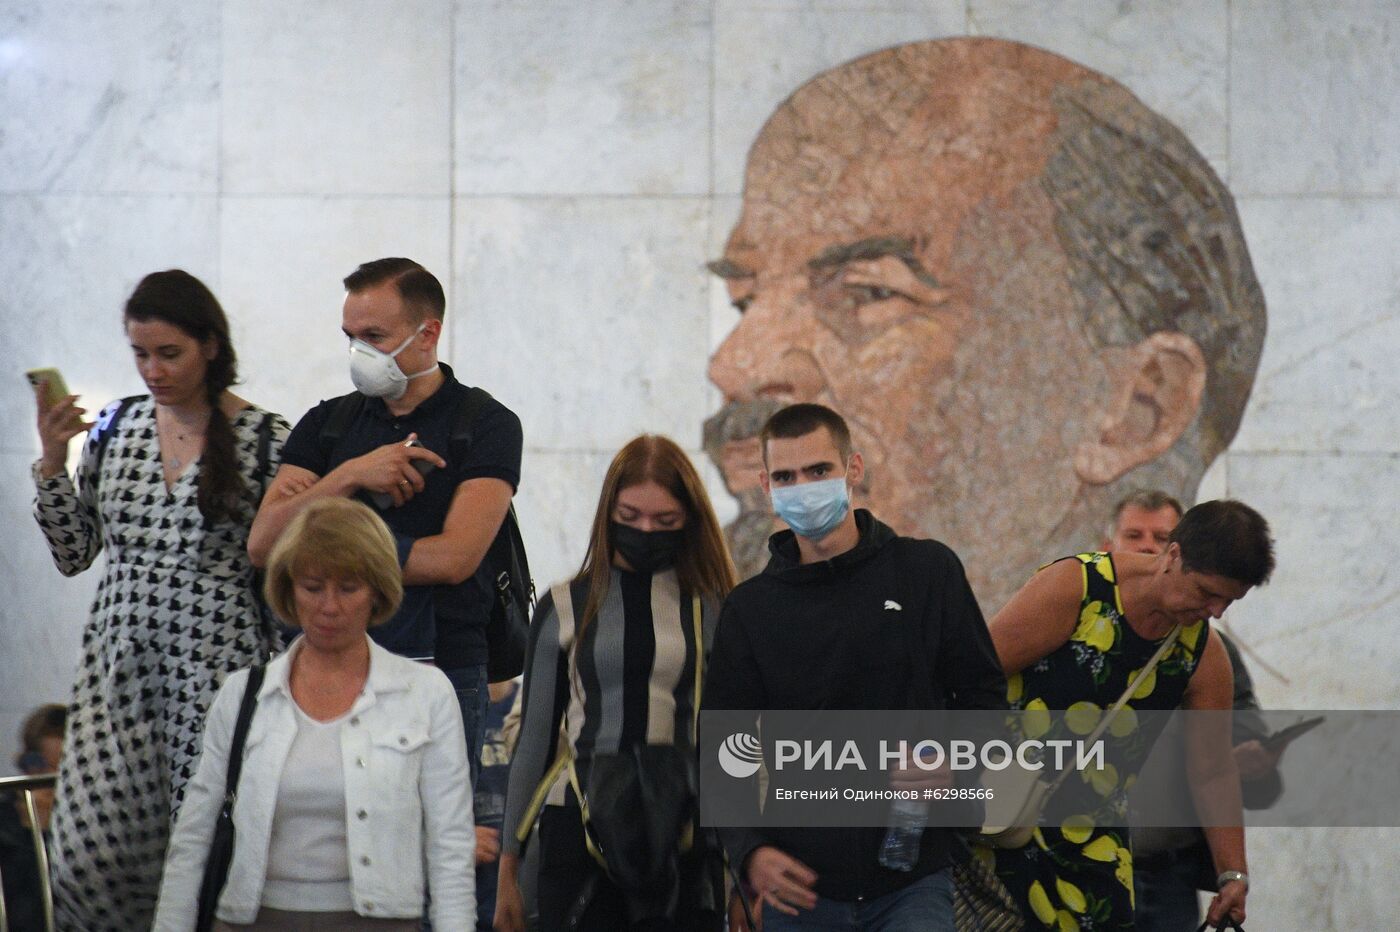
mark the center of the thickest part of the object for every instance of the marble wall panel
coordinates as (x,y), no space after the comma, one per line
(1324,879)
(10,722)
(1330,618)
(561,97)
(589,317)
(68,264)
(1313,107)
(557,498)
(284,259)
(1172,56)
(763,51)
(337,96)
(118,97)
(1326,380)
(41,621)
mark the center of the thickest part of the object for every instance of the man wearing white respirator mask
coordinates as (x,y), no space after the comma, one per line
(831,623)
(437,460)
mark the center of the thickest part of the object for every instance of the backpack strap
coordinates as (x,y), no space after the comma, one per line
(507,548)
(464,423)
(104,436)
(265,451)
(346,410)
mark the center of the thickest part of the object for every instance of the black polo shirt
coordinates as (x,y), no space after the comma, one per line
(447,623)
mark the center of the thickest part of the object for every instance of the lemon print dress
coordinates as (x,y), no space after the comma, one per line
(1078,875)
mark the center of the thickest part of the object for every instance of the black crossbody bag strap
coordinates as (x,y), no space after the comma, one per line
(219,856)
(240,734)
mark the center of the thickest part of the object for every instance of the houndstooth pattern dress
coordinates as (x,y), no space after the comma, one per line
(174,612)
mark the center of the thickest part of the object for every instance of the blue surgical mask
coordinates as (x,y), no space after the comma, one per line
(812,509)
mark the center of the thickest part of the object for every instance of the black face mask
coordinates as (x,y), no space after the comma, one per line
(645,551)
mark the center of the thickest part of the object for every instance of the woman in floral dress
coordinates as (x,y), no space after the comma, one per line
(1071,641)
(167,486)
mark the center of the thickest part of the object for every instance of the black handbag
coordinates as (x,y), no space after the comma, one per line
(221,844)
(637,805)
(1229,924)
(639,812)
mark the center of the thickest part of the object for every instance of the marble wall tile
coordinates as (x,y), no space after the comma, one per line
(10,722)
(42,620)
(1172,56)
(1216,481)
(763,51)
(557,498)
(561,97)
(118,97)
(283,261)
(1329,618)
(68,264)
(588,317)
(1327,378)
(1312,101)
(337,96)
(1306,879)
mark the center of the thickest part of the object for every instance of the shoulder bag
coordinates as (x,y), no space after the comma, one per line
(221,844)
(1026,792)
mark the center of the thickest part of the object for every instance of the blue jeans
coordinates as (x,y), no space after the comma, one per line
(1165,898)
(470,683)
(472,697)
(926,905)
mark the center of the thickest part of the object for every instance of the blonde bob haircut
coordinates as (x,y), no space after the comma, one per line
(341,539)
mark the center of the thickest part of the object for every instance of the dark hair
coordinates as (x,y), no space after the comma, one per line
(178,298)
(799,420)
(1225,538)
(47,721)
(421,291)
(703,566)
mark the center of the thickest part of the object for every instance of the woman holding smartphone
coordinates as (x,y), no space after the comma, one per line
(167,486)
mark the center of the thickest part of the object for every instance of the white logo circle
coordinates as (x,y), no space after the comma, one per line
(740,755)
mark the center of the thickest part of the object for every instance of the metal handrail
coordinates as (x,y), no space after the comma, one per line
(25,787)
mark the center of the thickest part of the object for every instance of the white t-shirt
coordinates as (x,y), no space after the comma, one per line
(308,862)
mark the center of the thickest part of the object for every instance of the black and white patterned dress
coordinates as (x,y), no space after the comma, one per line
(173,613)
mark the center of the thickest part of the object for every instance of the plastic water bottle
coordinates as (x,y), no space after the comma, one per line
(900,849)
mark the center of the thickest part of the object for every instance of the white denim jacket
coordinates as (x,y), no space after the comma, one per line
(408,798)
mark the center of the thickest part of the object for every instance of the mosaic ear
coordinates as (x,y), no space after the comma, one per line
(1156,394)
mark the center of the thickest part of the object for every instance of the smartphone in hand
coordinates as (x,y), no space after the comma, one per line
(55,389)
(383,499)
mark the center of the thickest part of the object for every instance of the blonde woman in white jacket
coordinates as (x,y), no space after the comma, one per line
(355,793)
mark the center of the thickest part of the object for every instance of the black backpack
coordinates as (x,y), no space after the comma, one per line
(504,569)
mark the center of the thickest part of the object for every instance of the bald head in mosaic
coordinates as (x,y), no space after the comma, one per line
(1026,292)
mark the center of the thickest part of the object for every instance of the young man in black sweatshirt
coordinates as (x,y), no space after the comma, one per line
(823,628)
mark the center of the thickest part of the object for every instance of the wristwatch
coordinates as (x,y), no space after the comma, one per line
(1230,877)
